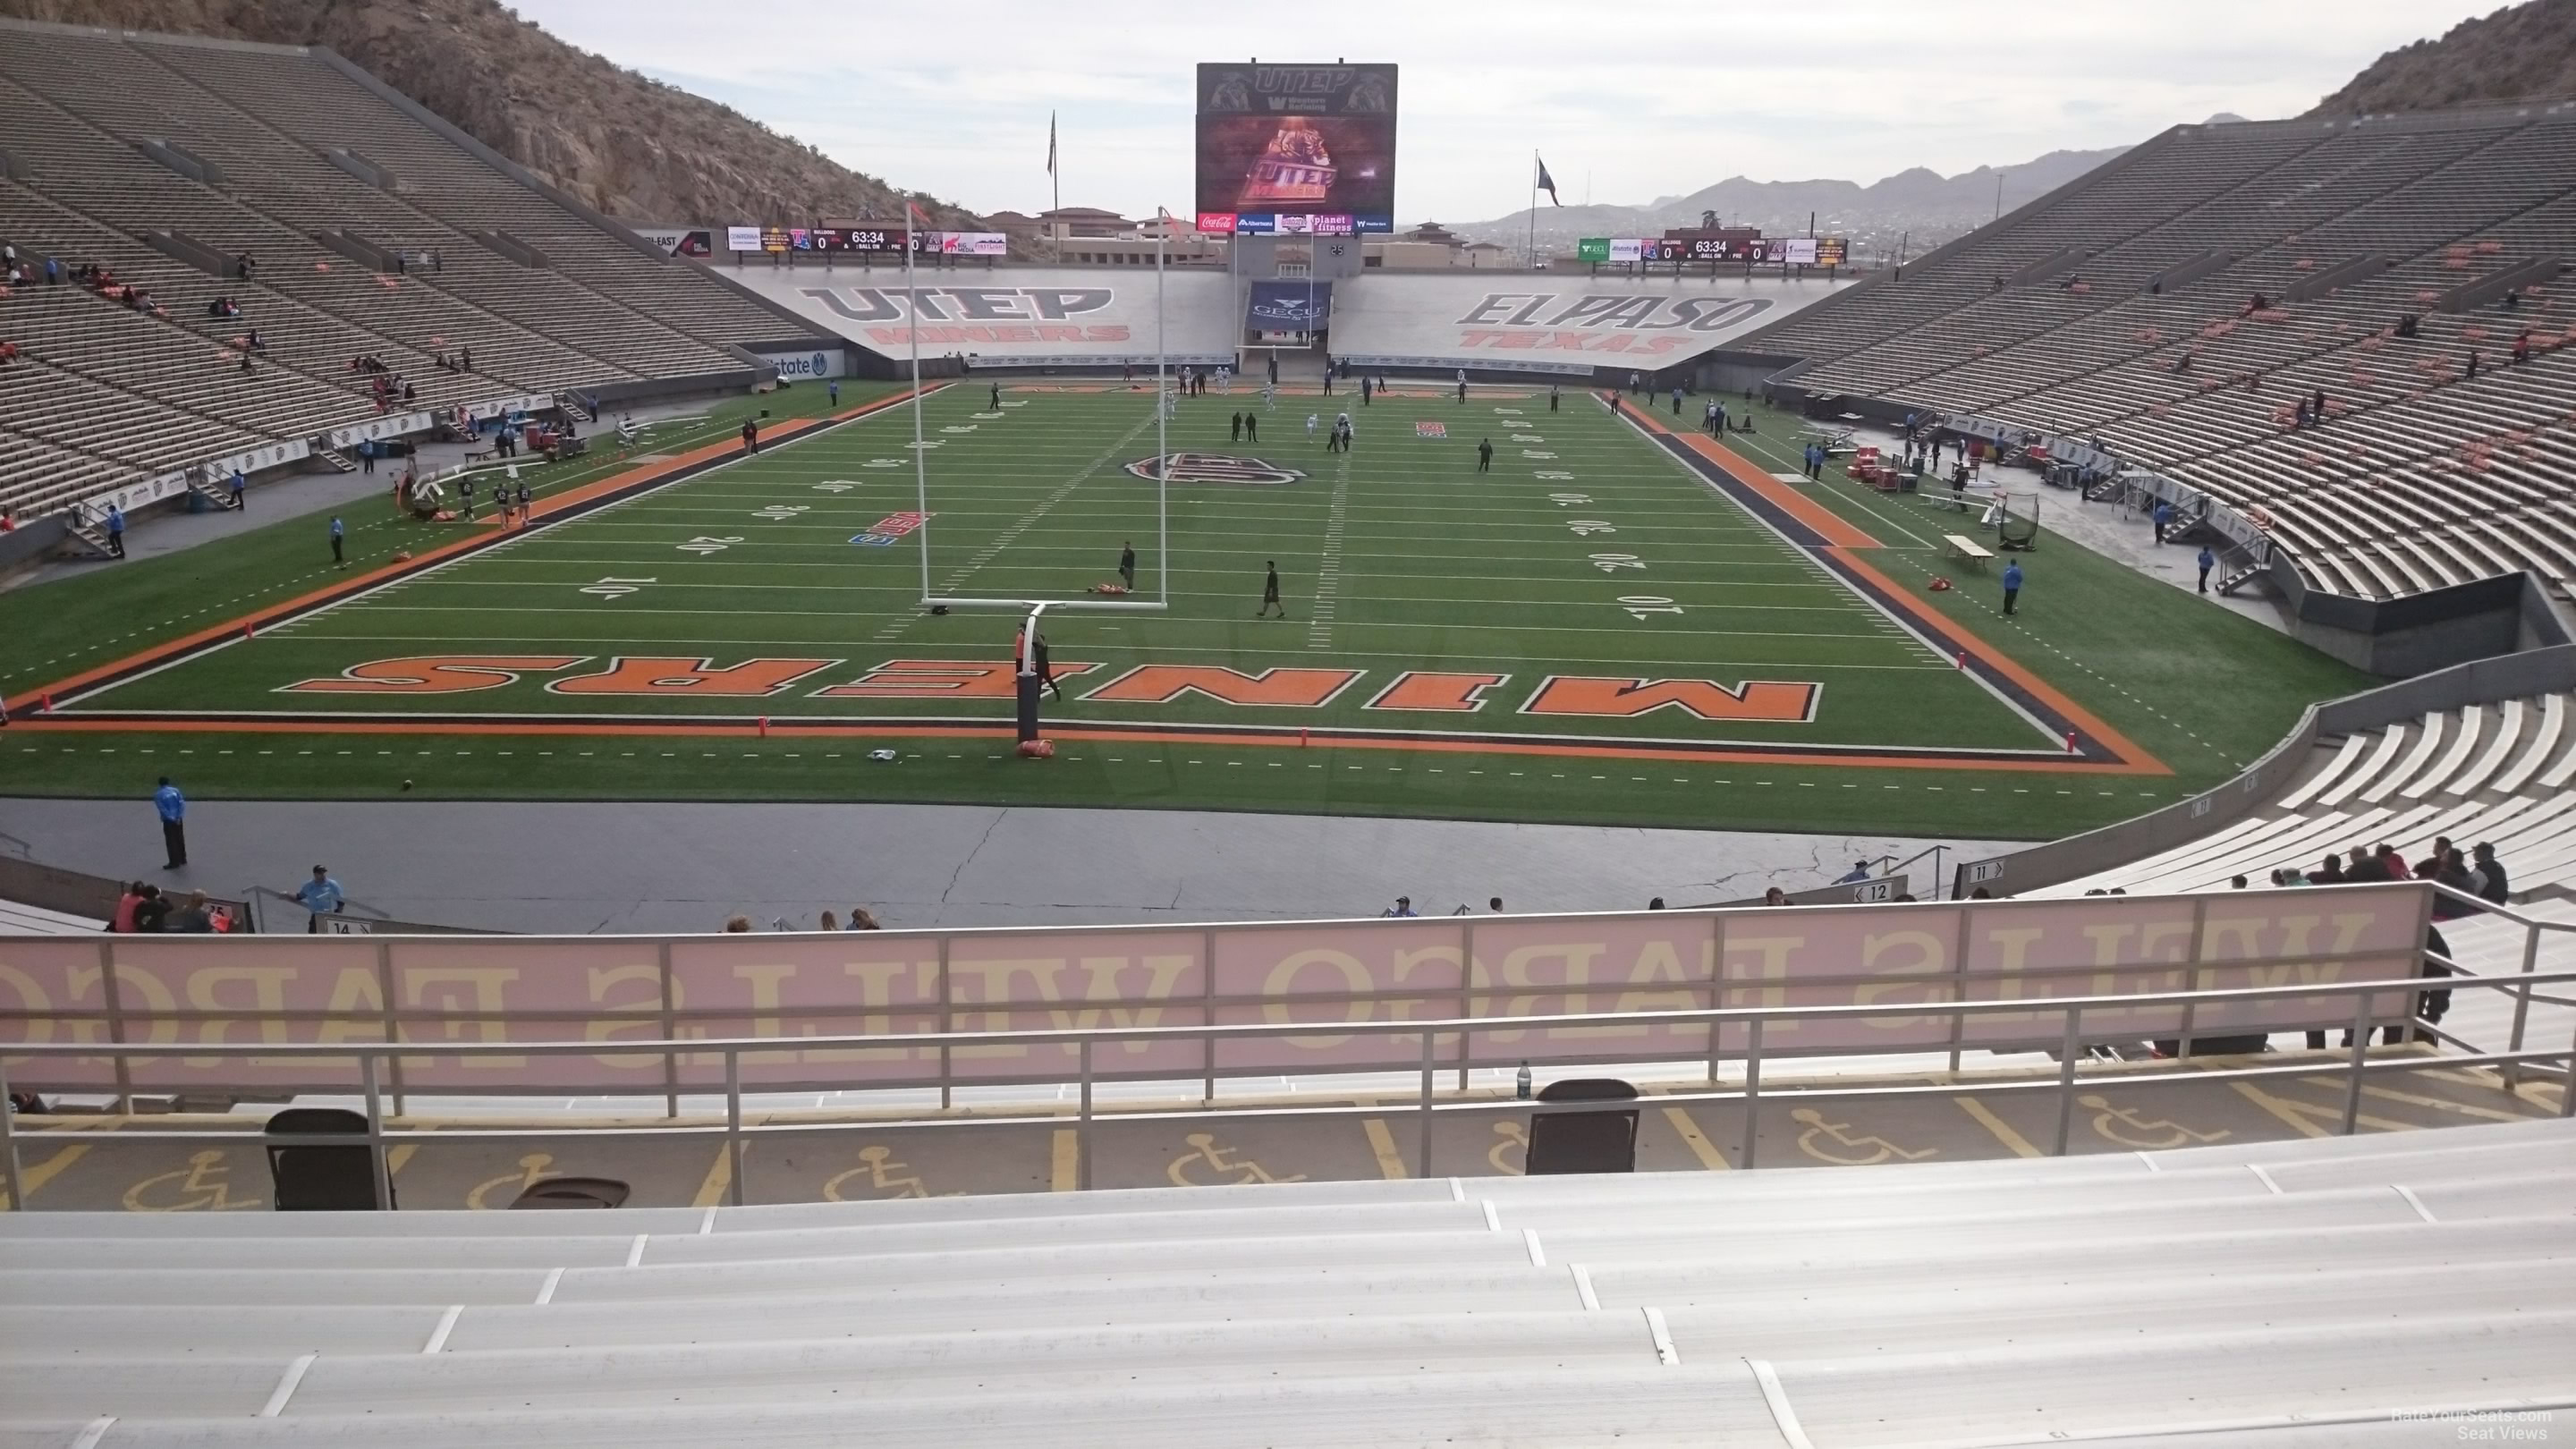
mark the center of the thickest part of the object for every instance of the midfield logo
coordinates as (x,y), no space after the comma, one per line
(1216,468)
(1431,430)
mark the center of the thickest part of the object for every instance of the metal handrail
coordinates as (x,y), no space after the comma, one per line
(371,1056)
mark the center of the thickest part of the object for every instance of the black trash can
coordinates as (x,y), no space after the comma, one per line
(337,1178)
(1606,1141)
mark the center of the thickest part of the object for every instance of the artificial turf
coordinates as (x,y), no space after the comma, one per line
(1588,553)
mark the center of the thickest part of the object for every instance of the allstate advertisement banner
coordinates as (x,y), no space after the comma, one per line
(1291,306)
(798,364)
(606,993)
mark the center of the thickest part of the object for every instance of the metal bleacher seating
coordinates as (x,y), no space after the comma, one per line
(2252,1294)
(2420,475)
(104,394)
(2502,773)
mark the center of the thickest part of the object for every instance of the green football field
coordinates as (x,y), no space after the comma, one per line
(1607,625)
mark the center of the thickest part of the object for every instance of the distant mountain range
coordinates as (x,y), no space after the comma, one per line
(1931,207)
(2525,52)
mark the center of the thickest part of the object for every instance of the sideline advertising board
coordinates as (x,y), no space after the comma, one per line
(1896,959)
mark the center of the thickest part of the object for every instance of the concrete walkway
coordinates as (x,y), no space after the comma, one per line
(654,867)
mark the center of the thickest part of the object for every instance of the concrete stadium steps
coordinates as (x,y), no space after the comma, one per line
(2498,773)
(1969,1303)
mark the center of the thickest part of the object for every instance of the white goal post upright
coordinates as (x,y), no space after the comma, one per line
(920,450)
(1162,483)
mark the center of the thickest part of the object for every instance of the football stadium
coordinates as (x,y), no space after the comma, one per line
(916,767)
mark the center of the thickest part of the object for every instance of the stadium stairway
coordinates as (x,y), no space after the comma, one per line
(2248,1293)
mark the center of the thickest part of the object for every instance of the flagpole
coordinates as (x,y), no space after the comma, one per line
(1533,215)
(1054,175)
(920,454)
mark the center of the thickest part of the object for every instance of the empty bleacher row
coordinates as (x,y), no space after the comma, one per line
(2502,774)
(2426,470)
(2245,1292)
(107,393)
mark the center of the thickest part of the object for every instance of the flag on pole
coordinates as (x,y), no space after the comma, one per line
(1050,143)
(1547,183)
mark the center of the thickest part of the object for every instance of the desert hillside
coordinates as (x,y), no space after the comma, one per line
(635,148)
(2523,52)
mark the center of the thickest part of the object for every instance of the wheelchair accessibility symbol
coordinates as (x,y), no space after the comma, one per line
(877,1164)
(198,1187)
(532,1170)
(2111,1121)
(1208,1165)
(1857,1151)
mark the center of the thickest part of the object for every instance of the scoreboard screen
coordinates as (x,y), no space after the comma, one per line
(1296,148)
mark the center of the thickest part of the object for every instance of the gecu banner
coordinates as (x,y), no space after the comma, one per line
(448,989)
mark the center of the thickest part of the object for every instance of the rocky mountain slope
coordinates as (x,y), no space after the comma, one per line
(634,148)
(2522,52)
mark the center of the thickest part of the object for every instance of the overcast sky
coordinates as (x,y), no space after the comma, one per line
(1633,101)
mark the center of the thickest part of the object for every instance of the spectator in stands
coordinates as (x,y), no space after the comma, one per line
(1403,907)
(152,913)
(2364,869)
(2317,408)
(321,896)
(257,343)
(863,919)
(2431,865)
(737,924)
(410,393)
(8,352)
(53,272)
(2236,882)
(2473,365)
(115,531)
(465,359)
(1859,872)
(2012,584)
(2206,561)
(192,918)
(243,266)
(121,920)
(2453,875)
(2492,880)
(2328,872)
(1771,897)
(2522,347)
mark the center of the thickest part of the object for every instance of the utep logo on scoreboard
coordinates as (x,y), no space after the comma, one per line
(1215,468)
(886,530)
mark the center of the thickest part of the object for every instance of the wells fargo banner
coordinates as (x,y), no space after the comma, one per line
(616,991)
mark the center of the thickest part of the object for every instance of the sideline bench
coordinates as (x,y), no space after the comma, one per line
(1967,550)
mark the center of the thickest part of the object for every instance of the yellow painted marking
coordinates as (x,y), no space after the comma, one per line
(2438,1104)
(395,1157)
(532,1170)
(1206,1153)
(2109,1122)
(2529,1089)
(198,1187)
(1985,1117)
(1510,1156)
(2297,1113)
(36,1175)
(1067,1174)
(1838,1134)
(719,1179)
(1696,1140)
(879,1165)
(1382,1145)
